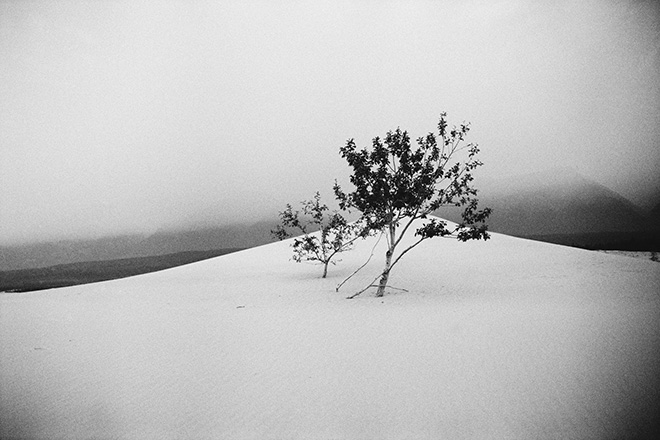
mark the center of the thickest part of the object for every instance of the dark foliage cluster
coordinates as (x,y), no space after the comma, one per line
(393,181)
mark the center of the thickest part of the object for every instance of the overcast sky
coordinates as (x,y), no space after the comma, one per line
(134,116)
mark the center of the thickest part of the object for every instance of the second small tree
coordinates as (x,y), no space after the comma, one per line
(335,234)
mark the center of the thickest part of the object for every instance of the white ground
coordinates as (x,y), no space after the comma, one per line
(502,339)
(647,255)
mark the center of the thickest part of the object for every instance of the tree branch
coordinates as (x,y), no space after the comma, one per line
(365,289)
(405,228)
(404,252)
(361,267)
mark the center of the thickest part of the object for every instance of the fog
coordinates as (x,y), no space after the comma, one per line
(130,117)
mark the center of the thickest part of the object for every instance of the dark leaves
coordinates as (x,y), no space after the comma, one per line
(395,179)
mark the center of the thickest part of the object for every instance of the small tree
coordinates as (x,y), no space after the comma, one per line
(335,234)
(396,185)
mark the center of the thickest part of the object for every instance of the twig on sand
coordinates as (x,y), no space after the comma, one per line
(374,285)
(360,268)
(361,291)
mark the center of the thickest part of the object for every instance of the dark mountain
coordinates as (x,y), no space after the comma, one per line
(68,251)
(655,212)
(563,207)
(234,236)
(132,246)
(72,274)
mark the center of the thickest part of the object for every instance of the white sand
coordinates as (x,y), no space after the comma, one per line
(647,255)
(504,339)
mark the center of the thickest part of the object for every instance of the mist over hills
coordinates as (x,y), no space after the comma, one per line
(559,201)
(562,206)
(558,206)
(202,239)
(133,246)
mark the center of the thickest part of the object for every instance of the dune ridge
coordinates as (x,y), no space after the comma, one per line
(508,338)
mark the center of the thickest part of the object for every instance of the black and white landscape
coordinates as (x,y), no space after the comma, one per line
(148,148)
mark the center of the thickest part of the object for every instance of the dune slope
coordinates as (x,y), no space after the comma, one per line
(507,338)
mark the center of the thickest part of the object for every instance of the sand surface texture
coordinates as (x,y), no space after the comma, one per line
(505,339)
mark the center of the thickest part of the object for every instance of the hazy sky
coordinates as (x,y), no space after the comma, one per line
(133,116)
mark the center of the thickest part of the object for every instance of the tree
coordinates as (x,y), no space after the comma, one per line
(335,235)
(395,185)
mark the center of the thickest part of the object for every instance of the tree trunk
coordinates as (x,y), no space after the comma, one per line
(325,269)
(386,274)
(388,260)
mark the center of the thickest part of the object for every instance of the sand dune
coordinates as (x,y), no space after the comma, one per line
(505,339)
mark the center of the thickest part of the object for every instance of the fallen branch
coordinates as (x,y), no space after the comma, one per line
(363,290)
(360,268)
(375,285)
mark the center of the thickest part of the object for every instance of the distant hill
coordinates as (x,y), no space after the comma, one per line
(134,246)
(232,236)
(656,211)
(558,206)
(72,274)
(69,251)
(561,206)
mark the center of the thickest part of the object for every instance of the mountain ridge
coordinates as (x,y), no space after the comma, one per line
(164,242)
(560,206)
(555,202)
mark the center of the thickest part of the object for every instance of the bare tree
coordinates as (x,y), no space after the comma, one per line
(335,234)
